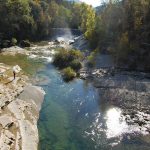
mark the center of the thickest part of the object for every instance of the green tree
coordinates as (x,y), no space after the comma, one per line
(15,17)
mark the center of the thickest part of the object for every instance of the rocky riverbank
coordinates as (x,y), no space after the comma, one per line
(20,103)
(127,90)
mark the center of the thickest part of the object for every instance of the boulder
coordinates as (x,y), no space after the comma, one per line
(25,43)
(71,42)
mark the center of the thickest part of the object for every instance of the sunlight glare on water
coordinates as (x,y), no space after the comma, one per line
(116,125)
(112,127)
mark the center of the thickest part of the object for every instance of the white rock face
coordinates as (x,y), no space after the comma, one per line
(20,103)
(28,129)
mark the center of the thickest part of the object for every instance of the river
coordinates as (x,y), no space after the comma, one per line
(74,117)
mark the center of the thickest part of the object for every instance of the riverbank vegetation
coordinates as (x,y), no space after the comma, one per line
(69,61)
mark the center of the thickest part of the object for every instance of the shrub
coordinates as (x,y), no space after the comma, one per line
(68,74)
(75,54)
(13,41)
(91,59)
(64,57)
(61,58)
(76,65)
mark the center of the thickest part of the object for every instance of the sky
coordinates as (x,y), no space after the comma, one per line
(94,3)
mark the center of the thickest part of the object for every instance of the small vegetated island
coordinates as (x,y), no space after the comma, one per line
(69,61)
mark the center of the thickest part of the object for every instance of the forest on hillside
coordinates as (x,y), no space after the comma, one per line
(32,19)
(121,28)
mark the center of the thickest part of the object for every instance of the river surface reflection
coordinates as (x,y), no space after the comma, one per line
(116,125)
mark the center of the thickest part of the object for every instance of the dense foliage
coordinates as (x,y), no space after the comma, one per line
(65,58)
(33,19)
(22,18)
(123,28)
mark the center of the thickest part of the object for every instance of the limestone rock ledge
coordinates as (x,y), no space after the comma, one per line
(20,103)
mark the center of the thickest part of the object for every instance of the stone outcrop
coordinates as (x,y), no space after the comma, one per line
(81,43)
(20,103)
(14,50)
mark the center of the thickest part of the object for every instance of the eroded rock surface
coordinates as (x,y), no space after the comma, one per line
(20,103)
